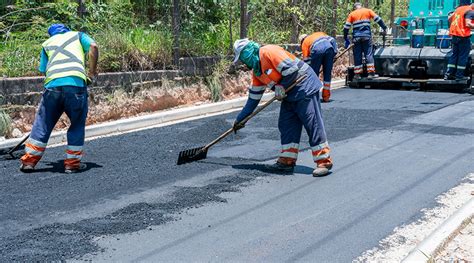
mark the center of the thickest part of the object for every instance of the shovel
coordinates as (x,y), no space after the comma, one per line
(196,154)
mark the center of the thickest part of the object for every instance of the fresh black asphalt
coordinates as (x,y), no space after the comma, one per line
(133,183)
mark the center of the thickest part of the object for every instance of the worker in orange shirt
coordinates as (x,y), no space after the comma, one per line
(460,31)
(274,68)
(359,20)
(318,50)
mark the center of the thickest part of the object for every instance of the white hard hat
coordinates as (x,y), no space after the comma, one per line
(302,37)
(239,46)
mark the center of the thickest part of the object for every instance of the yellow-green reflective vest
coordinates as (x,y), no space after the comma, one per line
(65,56)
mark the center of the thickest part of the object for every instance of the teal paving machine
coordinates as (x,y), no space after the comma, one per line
(418,55)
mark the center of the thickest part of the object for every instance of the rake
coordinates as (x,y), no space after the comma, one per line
(200,153)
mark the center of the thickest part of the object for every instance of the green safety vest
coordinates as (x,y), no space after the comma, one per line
(65,56)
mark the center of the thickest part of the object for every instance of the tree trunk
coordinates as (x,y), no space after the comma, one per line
(176,28)
(366,3)
(81,8)
(243,18)
(334,18)
(230,27)
(294,20)
(392,16)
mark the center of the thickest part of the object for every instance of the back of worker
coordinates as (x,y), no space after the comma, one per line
(63,62)
(318,50)
(274,68)
(460,31)
(359,20)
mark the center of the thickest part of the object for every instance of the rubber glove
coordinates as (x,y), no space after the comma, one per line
(326,95)
(280,92)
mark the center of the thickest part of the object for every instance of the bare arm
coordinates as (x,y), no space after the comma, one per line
(93,58)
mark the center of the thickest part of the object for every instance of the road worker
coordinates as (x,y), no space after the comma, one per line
(461,23)
(63,63)
(318,50)
(359,20)
(274,68)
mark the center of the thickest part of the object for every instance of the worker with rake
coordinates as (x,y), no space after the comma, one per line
(274,68)
(63,62)
(318,50)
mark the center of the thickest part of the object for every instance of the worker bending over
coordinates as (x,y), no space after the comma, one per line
(319,50)
(460,31)
(359,20)
(63,62)
(275,68)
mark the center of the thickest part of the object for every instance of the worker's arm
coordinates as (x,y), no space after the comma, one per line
(347,26)
(93,58)
(256,91)
(378,20)
(92,50)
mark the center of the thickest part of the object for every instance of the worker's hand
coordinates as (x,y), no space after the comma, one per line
(326,95)
(91,76)
(280,93)
(237,126)
(347,43)
(384,32)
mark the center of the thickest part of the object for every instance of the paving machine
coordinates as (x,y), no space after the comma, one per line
(418,53)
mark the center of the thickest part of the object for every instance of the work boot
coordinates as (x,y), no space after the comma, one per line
(322,169)
(26,168)
(449,77)
(372,76)
(463,78)
(280,168)
(71,170)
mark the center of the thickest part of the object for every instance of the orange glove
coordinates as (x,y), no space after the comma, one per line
(326,95)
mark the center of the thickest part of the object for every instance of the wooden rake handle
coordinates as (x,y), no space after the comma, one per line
(259,109)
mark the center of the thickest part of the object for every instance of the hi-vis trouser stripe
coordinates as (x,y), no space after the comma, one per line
(370,68)
(73,156)
(456,66)
(321,153)
(34,150)
(290,150)
(358,69)
(327,85)
(256,92)
(71,58)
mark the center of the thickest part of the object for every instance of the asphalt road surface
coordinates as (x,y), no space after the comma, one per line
(394,152)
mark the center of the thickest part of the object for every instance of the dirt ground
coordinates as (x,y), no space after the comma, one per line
(461,248)
(143,100)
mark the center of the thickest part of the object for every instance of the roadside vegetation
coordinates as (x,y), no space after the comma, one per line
(138,34)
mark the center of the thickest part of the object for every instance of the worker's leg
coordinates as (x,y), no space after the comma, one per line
(463,56)
(309,112)
(328,64)
(453,60)
(290,128)
(357,50)
(316,61)
(369,55)
(48,114)
(76,108)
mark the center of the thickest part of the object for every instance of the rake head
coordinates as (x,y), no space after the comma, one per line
(192,155)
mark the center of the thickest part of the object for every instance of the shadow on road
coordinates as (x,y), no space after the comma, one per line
(58,167)
(265,169)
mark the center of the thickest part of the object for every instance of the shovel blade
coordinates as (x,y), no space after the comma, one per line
(192,155)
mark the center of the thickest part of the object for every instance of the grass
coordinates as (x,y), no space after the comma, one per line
(214,82)
(5,122)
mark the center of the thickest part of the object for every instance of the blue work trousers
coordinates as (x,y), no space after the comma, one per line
(71,100)
(363,49)
(458,61)
(294,115)
(324,58)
